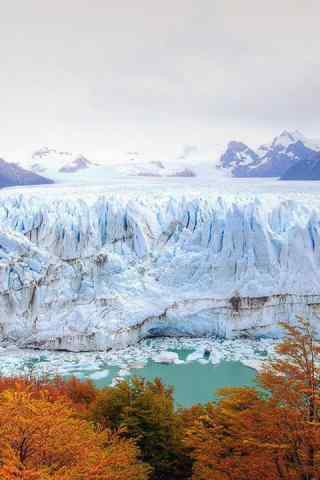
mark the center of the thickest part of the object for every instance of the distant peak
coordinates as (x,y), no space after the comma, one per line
(297,133)
(46,151)
(287,134)
(235,145)
(286,138)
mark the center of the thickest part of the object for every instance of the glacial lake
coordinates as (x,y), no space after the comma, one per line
(194,382)
(199,367)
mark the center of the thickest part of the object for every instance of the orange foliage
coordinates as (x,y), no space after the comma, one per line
(79,394)
(219,439)
(43,440)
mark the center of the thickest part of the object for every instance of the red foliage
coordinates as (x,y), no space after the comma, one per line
(80,394)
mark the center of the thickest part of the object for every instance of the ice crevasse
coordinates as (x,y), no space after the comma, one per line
(93,272)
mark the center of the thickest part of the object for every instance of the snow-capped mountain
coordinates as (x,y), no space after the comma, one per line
(137,164)
(156,168)
(13,175)
(306,169)
(191,161)
(57,165)
(269,160)
(66,167)
(69,168)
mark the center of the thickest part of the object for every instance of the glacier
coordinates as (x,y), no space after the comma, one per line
(94,270)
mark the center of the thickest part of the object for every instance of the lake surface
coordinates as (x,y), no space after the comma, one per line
(193,382)
(199,368)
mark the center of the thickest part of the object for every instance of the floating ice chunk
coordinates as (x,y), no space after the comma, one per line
(179,362)
(216,356)
(137,365)
(195,356)
(99,375)
(124,372)
(166,357)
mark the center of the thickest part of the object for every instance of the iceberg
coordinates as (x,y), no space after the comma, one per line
(166,357)
(91,271)
(99,375)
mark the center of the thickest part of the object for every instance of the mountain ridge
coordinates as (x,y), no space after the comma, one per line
(268,160)
(12,175)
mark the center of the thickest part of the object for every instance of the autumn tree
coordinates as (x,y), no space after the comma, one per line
(147,413)
(272,433)
(293,381)
(79,394)
(218,439)
(41,440)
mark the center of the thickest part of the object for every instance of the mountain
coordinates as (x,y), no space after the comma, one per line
(239,159)
(269,160)
(57,164)
(139,165)
(66,167)
(306,169)
(70,168)
(187,161)
(78,163)
(12,175)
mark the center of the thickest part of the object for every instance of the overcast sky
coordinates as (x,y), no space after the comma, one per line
(115,75)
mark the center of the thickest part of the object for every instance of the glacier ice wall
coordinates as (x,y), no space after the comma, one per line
(94,271)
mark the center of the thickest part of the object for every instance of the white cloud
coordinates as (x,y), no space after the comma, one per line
(105,76)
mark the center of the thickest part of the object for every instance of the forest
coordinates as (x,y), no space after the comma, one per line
(67,429)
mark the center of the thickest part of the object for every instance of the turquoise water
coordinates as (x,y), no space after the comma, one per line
(193,377)
(193,382)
